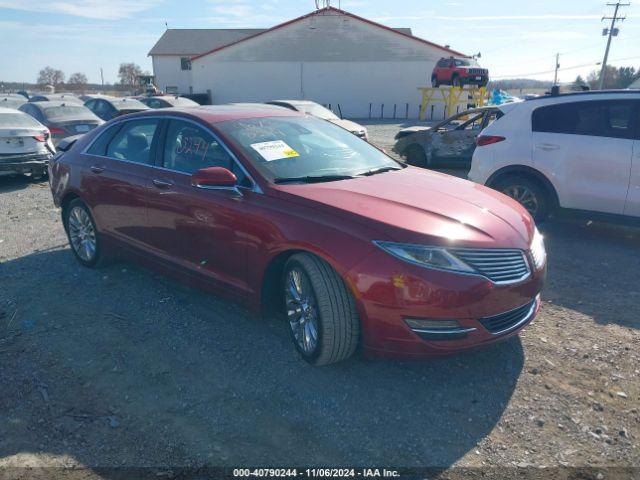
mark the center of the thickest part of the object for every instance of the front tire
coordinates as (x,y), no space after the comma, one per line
(82,233)
(529,193)
(321,312)
(456,81)
(416,157)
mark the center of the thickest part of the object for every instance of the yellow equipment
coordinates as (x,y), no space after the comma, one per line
(451,97)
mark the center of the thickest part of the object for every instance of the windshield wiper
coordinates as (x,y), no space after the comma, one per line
(313,179)
(373,171)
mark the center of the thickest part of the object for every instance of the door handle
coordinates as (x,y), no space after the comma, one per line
(547,147)
(162,184)
(97,169)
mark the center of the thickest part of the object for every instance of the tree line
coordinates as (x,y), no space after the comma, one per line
(127,73)
(614,77)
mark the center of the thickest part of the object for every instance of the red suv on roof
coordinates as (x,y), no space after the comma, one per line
(286,211)
(459,72)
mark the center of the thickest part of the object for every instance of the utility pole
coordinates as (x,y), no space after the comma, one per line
(555,76)
(612,31)
(102,76)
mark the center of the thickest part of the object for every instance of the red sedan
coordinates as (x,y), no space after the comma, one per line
(292,213)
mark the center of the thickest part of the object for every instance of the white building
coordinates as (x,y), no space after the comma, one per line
(171,55)
(359,67)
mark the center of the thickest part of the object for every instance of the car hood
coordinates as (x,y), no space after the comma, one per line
(348,125)
(414,129)
(419,206)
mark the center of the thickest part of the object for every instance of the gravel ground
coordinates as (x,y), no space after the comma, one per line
(123,367)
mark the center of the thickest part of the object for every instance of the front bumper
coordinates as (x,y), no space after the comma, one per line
(31,163)
(389,293)
(476,80)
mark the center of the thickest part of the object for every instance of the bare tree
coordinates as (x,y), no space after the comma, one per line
(78,79)
(129,73)
(50,76)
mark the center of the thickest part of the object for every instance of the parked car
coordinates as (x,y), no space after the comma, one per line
(312,108)
(459,72)
(55,97)
(25,144)
(167,101)
(291,212)
(449,143)
(63,119)
(90,96)
(108,108)
(578,151)
(12,101)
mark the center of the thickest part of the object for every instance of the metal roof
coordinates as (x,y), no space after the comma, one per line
(335,11)
(196,41)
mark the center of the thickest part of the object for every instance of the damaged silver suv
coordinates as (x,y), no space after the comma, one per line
(450,143)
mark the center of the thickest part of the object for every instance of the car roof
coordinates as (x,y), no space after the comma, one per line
(10,110)
(587,94)
(55,103)
(121,102)
(222,113)
(297,102)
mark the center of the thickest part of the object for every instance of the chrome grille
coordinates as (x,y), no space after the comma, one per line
(499,265)
(506,321)
(477,71)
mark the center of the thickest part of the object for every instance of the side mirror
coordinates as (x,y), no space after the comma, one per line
(214,178)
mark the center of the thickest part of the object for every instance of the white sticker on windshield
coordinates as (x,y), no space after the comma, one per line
(276,150)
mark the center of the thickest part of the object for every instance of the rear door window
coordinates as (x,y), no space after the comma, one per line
(99,145)
(133,142)
(603,118)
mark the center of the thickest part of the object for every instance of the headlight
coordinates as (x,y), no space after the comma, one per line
(538,251)
(433,257)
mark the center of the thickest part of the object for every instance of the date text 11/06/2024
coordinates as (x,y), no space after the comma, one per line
(316,472)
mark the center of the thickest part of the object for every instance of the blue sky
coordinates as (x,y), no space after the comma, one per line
(515,38)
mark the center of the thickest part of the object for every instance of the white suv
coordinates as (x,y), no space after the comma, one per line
(577,151)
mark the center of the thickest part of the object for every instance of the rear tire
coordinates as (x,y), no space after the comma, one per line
(316,295)
(434,82)
(415,156)
(83,235)
(529,193)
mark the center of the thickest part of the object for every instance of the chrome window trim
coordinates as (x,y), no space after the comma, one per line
(254,185)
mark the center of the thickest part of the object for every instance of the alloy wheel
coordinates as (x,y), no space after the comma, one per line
(82,234)
(524,196)
(302,310)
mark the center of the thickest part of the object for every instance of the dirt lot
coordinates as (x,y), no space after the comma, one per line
(122,367)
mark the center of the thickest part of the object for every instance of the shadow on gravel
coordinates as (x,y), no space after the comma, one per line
(579,252)
(121,366)
(13,183)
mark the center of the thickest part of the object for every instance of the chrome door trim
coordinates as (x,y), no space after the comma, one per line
(254,185)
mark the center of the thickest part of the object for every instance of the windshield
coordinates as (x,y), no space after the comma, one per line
(18,120)
(315,110)
(465,63)
(68,111)
(299,147)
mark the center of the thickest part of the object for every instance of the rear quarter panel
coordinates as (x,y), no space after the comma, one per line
(515,126)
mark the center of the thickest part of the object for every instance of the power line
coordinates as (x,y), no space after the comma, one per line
(612,31)
(573,67)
